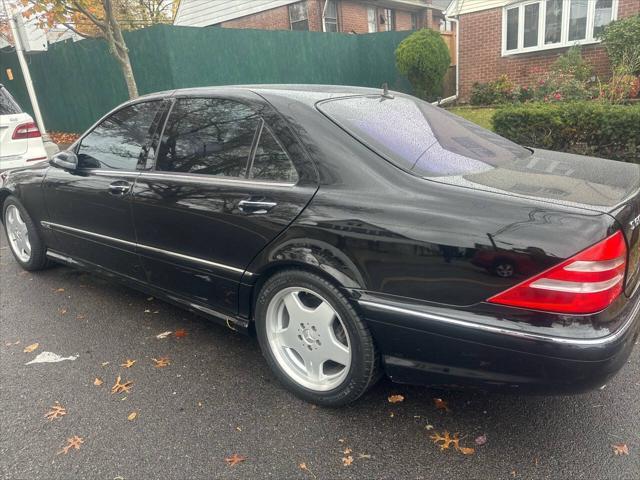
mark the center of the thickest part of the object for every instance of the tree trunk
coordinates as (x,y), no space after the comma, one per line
(118,47)
(127,71)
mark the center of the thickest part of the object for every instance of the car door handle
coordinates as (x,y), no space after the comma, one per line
(251,206)
(119,188)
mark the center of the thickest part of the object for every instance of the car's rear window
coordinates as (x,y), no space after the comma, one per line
(8,106)
(419,137)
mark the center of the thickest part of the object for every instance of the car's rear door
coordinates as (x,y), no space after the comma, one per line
(90,207)
(225,183)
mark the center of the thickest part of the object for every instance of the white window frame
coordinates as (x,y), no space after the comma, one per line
(372,23)
(564,31)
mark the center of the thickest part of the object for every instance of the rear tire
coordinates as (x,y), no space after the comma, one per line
(25,241)
(313,340)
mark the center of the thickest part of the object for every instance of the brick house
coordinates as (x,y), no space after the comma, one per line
(348,16)
(520,37)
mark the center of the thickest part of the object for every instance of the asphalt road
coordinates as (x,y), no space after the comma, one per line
(217,398)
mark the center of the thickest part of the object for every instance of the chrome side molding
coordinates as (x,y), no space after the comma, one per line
(508,331)
(141,246)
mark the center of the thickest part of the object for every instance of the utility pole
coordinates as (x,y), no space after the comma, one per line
(24,67)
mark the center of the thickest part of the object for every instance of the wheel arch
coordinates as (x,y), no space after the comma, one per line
(269,270)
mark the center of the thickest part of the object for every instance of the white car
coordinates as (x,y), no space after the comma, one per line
(20,140)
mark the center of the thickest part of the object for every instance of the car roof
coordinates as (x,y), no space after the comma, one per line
(304,93)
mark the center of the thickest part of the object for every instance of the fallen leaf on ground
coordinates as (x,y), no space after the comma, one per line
(347,451)
(396,399)
(364,456)
(146,310)
(620,449)
(429,427)
(104,364)
(59,290)
(121,387)
(164,334)
(132,416)
(149,299)
(62,311)
(161,362)
(73,442)
(97,382)
(180,333)
(56,411)
(441,404)
(31,348)
(80,316)
(346,461)
(128,363)
(234,459)
(466,450)
(303,466)
(481,440)
(445,440)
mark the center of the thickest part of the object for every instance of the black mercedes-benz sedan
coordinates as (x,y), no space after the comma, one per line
(355,231)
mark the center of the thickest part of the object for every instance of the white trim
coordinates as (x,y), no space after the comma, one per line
(564,29)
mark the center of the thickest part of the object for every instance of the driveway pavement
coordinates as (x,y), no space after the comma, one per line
(217,398)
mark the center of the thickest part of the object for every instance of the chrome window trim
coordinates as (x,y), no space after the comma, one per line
(212,179)
(146,247)
(508,331)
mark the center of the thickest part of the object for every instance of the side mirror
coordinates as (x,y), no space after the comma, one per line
(65,159)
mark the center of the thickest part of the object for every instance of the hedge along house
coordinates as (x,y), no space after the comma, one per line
(347,16)
(520,38)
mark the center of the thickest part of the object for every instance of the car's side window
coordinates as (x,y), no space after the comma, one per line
(117,143)
(270,162)
(209,136)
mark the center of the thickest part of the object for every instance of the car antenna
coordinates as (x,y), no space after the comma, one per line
(385,92)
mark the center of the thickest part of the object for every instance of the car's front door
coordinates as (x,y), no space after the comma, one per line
(224,185)
(90,207)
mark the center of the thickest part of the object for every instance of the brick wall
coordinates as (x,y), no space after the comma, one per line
(274,19)
(352,17)
(481,60)
(403,20)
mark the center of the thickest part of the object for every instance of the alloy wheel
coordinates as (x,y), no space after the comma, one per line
(18,234)
(308,339)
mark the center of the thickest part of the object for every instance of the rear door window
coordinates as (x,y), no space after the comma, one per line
(208,136)
(271,163)
(419,137)
(8,106)
(117,142)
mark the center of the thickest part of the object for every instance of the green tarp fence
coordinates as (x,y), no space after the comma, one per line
(77,82)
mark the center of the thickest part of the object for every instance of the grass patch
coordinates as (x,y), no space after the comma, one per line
(481,116)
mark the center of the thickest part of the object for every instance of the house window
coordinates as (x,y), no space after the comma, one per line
(331,16)
(298,16)
(414,21)
(540,24)
(388,19)
(372,21)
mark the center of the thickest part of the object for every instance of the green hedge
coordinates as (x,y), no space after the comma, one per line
(586,128)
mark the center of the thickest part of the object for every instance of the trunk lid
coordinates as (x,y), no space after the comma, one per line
(628,215)
(578,181)
(8,124)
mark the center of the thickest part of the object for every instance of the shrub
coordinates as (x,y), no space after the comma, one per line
(501,90)
(568,79)
(622,41)
(587,128)
(424,58)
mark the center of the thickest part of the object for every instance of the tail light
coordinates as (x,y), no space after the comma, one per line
(586,283)
(26,130)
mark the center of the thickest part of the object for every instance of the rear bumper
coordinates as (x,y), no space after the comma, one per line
(440,347)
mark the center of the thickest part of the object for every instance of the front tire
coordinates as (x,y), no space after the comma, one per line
(24,238)
(313,340)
